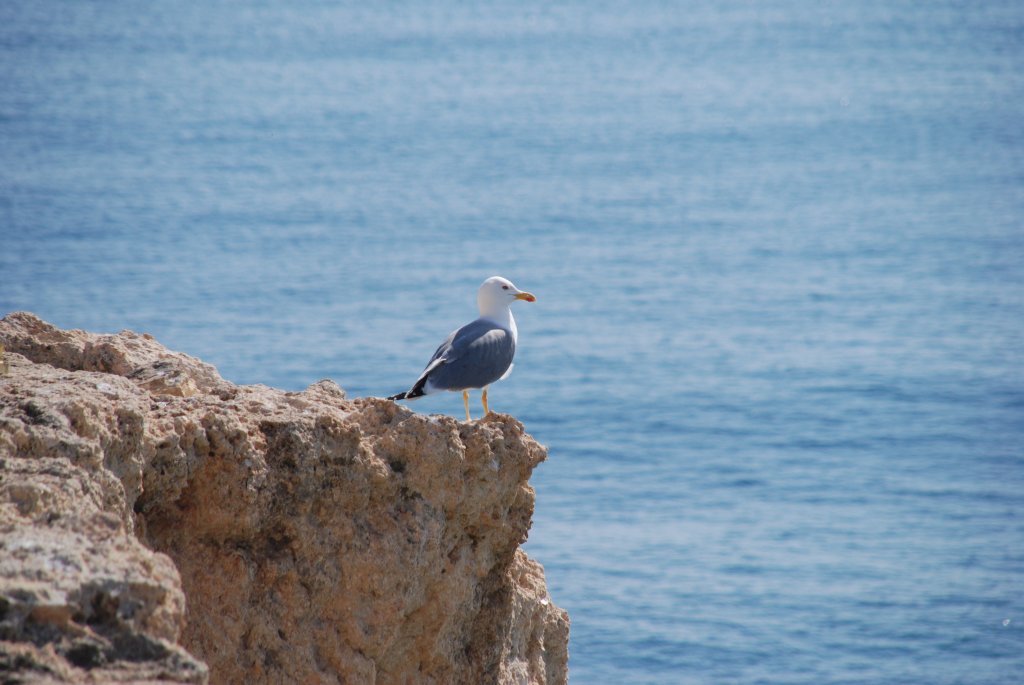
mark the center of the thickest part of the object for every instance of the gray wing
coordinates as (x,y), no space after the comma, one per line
(475,355)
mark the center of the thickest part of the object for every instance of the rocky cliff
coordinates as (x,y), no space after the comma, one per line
(160,524)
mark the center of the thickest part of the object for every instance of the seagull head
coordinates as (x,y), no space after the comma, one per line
(497,292)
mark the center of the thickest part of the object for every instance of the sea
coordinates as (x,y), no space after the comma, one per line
(777,353)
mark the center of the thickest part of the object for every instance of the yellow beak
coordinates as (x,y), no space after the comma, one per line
(526,296)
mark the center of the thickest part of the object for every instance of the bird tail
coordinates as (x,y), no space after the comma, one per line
(417,391)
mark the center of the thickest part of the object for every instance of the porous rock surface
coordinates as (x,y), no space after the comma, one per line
(160,524)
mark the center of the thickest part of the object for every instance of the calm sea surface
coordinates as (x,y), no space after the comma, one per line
(778,247)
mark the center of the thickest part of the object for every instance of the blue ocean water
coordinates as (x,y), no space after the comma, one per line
(778,247)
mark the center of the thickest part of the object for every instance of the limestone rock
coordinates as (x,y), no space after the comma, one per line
(312,538)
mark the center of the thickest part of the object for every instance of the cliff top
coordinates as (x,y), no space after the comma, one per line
(161,523)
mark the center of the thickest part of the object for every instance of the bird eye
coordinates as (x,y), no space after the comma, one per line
(504,287)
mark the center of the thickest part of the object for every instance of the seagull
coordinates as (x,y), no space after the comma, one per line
(480,352)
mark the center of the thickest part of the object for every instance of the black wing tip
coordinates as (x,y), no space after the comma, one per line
(409,394)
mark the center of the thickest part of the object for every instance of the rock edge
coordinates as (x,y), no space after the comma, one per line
(160,524)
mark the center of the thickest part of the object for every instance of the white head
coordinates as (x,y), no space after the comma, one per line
(497,293)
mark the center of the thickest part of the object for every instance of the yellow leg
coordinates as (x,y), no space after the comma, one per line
(484,398)
(465,401)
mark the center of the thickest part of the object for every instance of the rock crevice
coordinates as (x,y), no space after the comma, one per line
(158,523)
